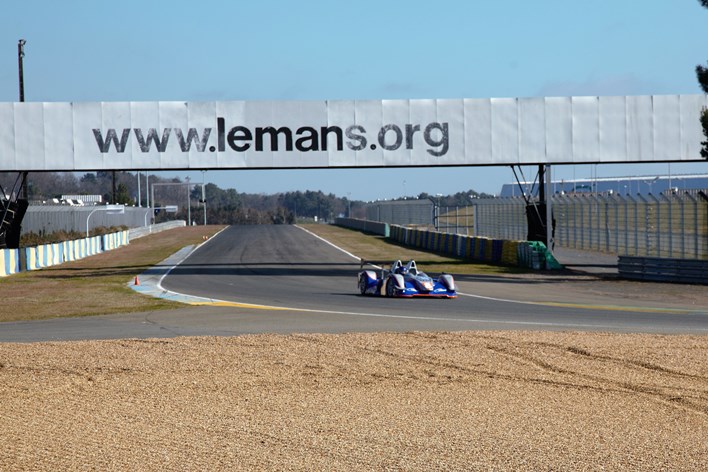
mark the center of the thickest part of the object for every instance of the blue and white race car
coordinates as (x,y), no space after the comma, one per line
(405,281)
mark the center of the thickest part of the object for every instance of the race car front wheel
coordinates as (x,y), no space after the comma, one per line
(391,290)
(362,285)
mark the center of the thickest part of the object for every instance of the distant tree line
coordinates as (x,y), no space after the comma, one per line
(224,206)
(457,199)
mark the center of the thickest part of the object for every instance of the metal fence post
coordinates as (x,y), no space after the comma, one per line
(696,245)
(647,226)
(657,224)
(475,219)
(682,220)
(607,224)
(669,234)
(626,225)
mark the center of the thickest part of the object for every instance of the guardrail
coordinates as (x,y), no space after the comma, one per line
(374,227)
(657,269)
(136,233)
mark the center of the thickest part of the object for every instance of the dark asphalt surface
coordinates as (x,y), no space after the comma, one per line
(284,266)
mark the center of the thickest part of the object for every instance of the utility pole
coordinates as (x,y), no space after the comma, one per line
(20,54)
(189,203)
(204,197)
(20,68)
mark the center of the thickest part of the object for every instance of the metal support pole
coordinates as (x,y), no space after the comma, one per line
(475,220)
(152,202)
(20,67)
(657,225)
(204,200)
(626,225)
(21,71)
(549,212)
(636,226)
(694,218)
(457,223)
(87,220)
(467,221)
(683,225)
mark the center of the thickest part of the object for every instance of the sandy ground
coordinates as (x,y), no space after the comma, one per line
(413,401)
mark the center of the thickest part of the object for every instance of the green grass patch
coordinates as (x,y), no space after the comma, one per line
(95,285)
(379,249)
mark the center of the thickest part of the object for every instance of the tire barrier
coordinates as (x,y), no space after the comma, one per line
(534,255)
(528,254)
(47,255)
(9,262)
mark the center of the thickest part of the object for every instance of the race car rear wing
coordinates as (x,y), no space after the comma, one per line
(378,265)
(375,264)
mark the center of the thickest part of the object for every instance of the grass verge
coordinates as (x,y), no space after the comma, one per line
(95,285)
(379,249)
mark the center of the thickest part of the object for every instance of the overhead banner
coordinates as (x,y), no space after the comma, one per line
(92,136)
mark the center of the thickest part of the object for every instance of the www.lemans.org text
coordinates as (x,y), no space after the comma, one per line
(390,137)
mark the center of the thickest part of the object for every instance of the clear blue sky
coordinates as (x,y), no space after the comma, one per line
(314,50)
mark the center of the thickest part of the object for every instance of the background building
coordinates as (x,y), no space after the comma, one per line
(636,185)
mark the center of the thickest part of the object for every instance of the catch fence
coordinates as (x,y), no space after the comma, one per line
(667,225)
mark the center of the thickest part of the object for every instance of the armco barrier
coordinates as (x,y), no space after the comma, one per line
(9,262)
(373,227)
(659,269)
(135,233)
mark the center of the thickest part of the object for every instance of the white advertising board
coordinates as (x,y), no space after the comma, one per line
(92,136)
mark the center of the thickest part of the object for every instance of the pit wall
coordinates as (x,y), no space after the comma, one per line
(13,261)
(527,254)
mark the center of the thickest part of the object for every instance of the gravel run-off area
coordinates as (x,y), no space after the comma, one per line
(410,401)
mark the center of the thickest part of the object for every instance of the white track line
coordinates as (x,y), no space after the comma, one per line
(327,242)
(373,315)
(520,302)
(159,282)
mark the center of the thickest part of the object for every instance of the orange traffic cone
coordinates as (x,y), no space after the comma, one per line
(137,280)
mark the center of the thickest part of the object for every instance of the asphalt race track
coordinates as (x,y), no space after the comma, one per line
(284,266)
(306,285)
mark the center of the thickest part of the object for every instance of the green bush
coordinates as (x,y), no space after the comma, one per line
(33,239)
